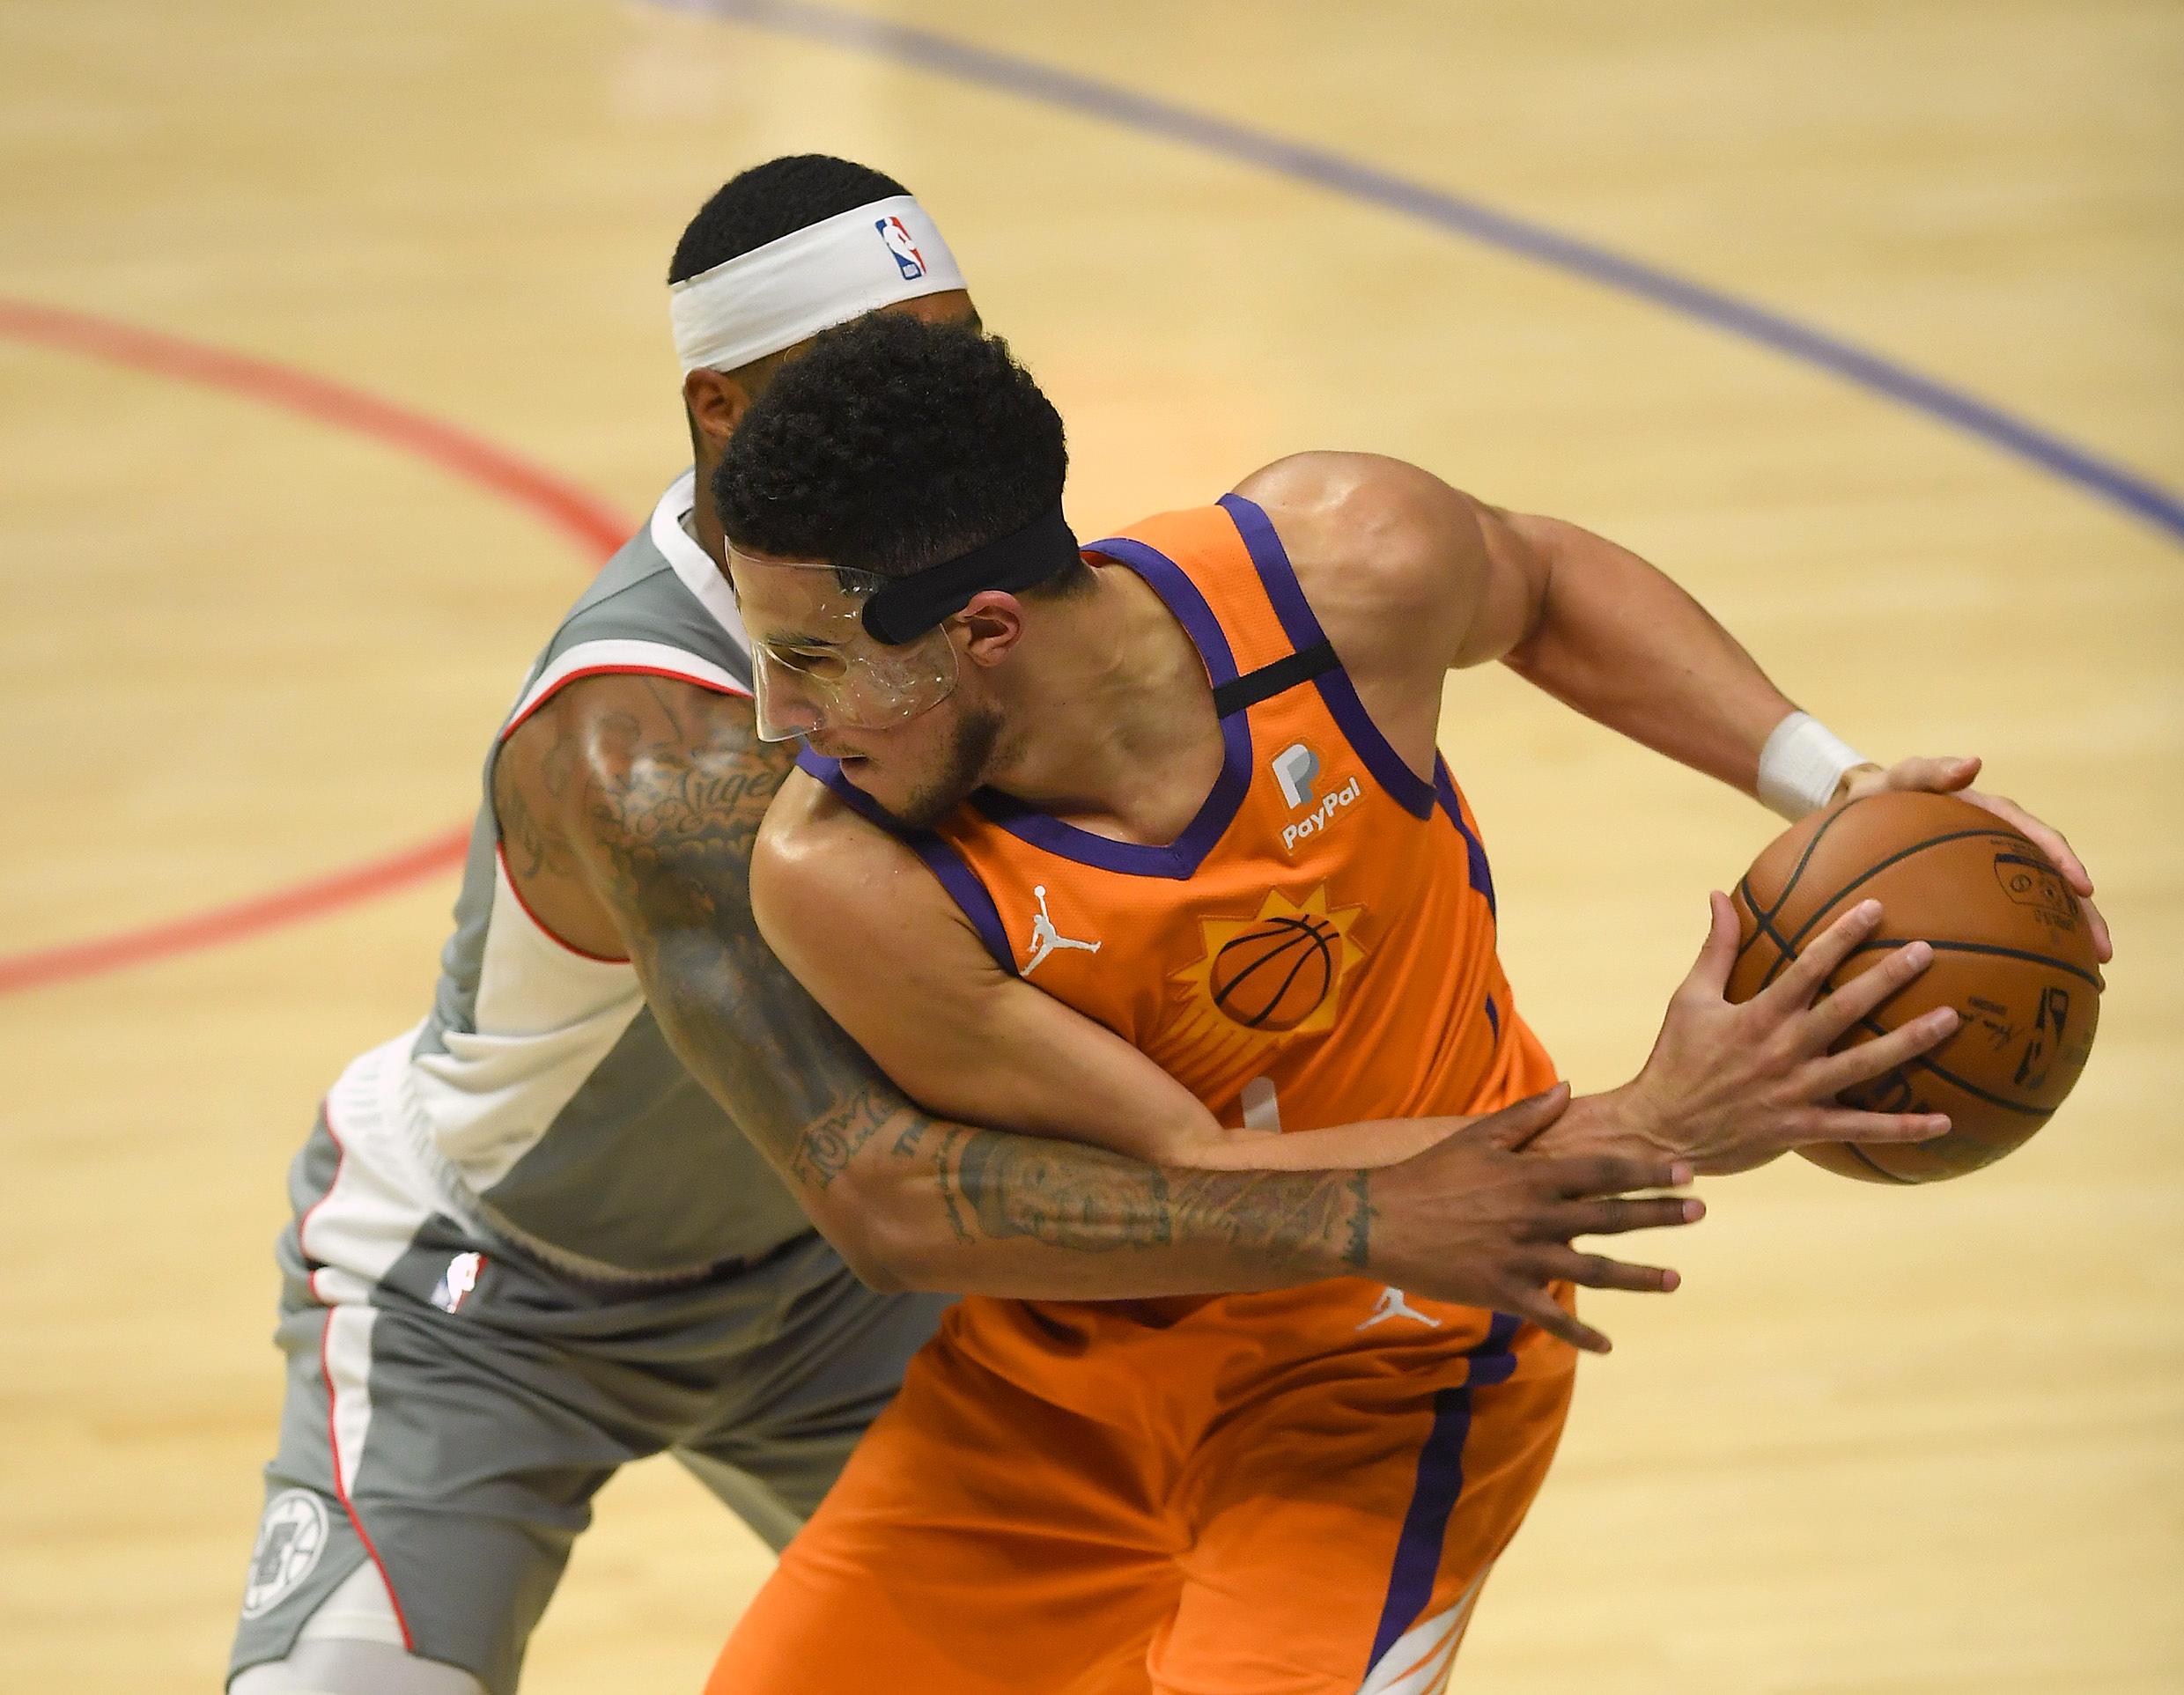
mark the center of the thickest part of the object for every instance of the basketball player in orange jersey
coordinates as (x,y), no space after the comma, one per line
(626,1189)
(1151,848)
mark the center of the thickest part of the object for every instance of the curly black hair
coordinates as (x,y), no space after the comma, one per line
(772,200)
(892,445)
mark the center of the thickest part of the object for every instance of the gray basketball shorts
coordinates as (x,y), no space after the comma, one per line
(452,1407)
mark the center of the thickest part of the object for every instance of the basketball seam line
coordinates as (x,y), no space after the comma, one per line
(1767,927)
(1954,1082)
(1879,866)
(1996,948)
(1806,859)
(1872,871)
(1763,924)
(1874,1165)
(1766,920)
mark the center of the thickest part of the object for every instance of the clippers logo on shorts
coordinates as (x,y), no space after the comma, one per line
(291,1538)
(457,1282)
(1295,768)
(908,260)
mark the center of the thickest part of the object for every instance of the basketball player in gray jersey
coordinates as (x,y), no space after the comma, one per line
(568,1220)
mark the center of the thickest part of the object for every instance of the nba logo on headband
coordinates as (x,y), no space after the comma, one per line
(907,258)
(811,279)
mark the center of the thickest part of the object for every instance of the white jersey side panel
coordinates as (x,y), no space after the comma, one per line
(540,1099)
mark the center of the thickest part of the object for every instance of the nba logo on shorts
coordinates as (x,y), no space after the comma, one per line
(908,260)
(291,1538)
(457,1280)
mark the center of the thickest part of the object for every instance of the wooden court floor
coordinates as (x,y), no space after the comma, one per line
(254,633)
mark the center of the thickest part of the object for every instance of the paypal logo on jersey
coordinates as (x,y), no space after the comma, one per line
(1295,768)
(908,260)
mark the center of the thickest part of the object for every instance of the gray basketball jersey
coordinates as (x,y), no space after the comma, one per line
(538,1099)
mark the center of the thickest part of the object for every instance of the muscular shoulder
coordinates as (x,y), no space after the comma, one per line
(817,865)
(617,722)
(649,789)
(1390,556)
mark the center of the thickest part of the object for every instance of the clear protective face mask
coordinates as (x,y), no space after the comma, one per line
(815,667)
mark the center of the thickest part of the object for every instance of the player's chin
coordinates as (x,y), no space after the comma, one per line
(849,759)
(870,779)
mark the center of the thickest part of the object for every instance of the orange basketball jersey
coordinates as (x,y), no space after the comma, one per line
(1294,1488)
(1317,947)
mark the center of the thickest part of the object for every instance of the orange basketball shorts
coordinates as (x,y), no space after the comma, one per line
(1294,1493)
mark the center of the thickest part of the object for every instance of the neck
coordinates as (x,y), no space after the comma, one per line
(703,518)
(1126,741)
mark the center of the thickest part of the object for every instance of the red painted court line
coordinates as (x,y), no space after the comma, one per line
(223,924)
(590,522)
(561,503)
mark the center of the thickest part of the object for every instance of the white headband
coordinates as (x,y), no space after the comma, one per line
(776,295)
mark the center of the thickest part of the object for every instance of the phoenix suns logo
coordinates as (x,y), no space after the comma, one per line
(1276,973)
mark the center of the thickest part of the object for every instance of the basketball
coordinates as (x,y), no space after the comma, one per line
(1276,974)
(2012,953)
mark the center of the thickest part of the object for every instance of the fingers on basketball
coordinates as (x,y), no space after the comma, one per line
(2013,958)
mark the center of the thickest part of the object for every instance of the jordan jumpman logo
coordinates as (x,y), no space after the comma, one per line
(1046,940)
(1392,1305)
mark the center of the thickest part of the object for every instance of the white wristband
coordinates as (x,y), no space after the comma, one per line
(1801,764)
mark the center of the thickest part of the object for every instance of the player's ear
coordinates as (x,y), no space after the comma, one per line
(989,627)
(717,401)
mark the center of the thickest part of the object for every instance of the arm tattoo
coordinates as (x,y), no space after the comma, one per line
(1357,1251)
(944,1168)
(533,848)
(1094,1201)
(673,791)
(677,807)
(830,1144)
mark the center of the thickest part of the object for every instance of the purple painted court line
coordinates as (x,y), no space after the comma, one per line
(1111,103)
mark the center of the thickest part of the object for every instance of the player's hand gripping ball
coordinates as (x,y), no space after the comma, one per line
(2014,952)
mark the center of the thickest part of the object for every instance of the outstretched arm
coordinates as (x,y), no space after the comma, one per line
(1456,582)
(652,792)
(1412,578)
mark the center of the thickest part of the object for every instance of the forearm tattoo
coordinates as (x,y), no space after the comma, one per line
(670,794)
(1093,1201)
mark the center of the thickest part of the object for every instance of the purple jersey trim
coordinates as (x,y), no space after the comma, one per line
(1409,790)
(1182,857)
(948,867)
(1474,850)
(1439,1482)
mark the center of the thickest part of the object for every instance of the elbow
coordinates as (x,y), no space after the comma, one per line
(878,1266)
(896,1255)
(880,1252)
(877,1271)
